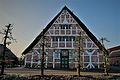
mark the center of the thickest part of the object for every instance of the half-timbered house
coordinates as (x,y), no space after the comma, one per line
(61,44)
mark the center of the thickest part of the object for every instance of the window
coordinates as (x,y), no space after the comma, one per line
(55,45)
(73,38)
(56,31)
(73,31)
(71,54)
(62,38)
(68,31)
(55,38)
(67,38)
(65,53)
(67,26)
(67,16)
(68,44)
(62,16)
(57,54)
(63,26)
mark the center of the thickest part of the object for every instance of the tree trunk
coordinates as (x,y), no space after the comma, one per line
(4,49)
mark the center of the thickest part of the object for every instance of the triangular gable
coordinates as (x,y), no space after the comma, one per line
(90,35)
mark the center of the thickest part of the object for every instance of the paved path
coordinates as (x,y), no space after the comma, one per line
(25,71)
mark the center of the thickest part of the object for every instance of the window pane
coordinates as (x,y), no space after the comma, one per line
(57,54)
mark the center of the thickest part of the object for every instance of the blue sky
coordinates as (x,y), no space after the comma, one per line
(102,18)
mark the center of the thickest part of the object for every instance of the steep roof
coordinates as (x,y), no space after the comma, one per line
(91,36)
(114,52)
(114,48)
(9,55)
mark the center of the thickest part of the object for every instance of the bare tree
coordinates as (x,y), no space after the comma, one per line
(43,53)
(105,55)
(80,50)
(42,45)
(7,35)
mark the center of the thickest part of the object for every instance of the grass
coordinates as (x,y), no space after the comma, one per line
(57,77)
